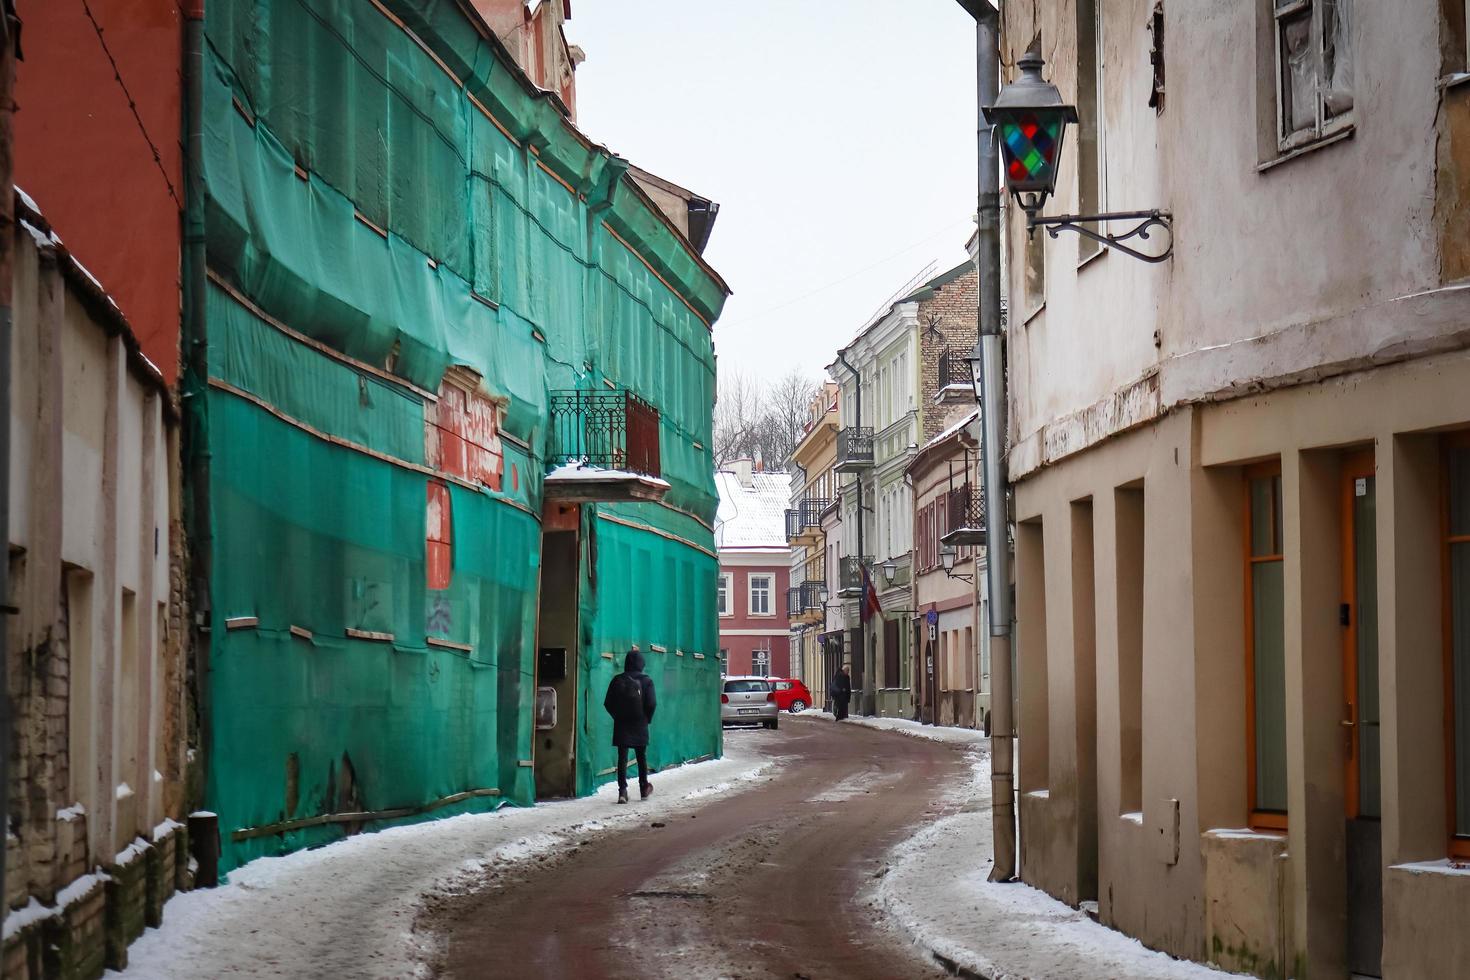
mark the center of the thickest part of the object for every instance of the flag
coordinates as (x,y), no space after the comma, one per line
(869,604)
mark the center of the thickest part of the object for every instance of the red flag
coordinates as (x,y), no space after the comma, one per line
(869,604)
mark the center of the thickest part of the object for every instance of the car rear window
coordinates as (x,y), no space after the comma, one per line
(746,687)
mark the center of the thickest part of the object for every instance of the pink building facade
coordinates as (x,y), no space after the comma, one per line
(755,572)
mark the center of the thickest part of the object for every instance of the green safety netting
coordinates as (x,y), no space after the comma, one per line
(354,195)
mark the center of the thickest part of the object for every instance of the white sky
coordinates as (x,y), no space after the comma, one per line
(838,137)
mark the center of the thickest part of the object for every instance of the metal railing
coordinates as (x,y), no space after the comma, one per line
(805,516)
(965,505)
(954,368)
(793,602)
(850,574)
(813,596)
(854,447)
(613,430)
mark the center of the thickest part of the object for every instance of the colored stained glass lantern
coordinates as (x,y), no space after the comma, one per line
(1030,120)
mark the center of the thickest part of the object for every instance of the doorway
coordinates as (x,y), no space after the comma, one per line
(555,744)
(1360,721)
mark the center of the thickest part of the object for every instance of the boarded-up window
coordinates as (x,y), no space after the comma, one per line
(462,432)
(439,543)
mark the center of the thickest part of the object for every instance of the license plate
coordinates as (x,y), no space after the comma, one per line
(748,711)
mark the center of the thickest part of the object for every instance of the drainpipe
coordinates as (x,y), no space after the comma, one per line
(992,444)
(194,386)
(9,31)
(857,402)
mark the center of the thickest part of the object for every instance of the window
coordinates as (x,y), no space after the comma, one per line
(723,593)
(1089,116)
(1314,68)
(1265,653)
(724,661)
(760,595)
(760,663)
(1035,246)
(1457,640)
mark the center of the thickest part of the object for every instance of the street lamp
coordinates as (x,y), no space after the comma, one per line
(1031,120)
(948,554)
(889,570)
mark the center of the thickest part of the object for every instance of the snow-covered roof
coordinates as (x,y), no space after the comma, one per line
(753,516)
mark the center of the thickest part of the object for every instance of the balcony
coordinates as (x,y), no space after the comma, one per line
(854,448)
(806,517)
(793,603)
(850,575)
(604,446)
(966,512)
(955,378)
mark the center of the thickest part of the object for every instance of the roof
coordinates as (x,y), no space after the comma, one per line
(754,516)
(909,294)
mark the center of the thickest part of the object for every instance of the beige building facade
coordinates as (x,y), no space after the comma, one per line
(1242,487)
(951,663)
(96,634)
(813,485)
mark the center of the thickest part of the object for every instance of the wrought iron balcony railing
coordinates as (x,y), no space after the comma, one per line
(614,430)
(954,369)
(854,448)
(793,602)
(966,513)
(813,596)
(850,574)
(805,516)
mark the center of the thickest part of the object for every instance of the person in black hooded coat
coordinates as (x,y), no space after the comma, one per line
(630,700)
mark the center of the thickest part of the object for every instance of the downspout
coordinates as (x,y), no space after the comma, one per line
(194,383)
(857,403)
(992,445)
(9,36)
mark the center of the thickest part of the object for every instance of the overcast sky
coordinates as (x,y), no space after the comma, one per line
(838,137)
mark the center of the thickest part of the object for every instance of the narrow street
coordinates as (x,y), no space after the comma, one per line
(767,883)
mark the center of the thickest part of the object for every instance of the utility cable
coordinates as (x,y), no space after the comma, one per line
(117,74)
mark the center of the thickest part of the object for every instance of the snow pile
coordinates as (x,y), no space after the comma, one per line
(348,909)
(914,729)
(1003,930)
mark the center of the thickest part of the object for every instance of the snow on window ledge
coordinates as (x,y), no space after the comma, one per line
(1244,833)
(1136,817)
(1444,866)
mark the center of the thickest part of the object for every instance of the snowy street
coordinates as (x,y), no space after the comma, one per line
(819,850)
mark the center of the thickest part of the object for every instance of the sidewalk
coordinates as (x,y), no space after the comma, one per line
(350,909)
(935,891)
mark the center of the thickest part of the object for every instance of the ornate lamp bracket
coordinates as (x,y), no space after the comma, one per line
(1145,221)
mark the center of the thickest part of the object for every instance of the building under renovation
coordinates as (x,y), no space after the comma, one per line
(449,401)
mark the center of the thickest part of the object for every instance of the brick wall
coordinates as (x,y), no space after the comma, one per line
(949,318)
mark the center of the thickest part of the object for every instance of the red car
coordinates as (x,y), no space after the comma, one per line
(791,694)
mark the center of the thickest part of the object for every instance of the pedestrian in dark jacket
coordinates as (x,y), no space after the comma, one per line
(630,701)
(841,693)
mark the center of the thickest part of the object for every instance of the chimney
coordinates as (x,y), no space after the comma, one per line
(742,470)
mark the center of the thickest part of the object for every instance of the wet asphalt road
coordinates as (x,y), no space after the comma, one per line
(767,883)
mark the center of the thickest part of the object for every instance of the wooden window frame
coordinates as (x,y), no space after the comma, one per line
(1458,848)
(1259,819)
(1323,128)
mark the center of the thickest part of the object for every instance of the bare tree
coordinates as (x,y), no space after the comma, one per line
(761,421)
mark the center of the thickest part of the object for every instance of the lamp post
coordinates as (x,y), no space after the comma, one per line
(889,570)
(990,381)
(1031,120)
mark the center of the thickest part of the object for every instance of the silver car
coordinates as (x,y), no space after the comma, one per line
(748,701)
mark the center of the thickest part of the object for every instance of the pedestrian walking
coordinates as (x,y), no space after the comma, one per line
(630,701)
(841,692)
